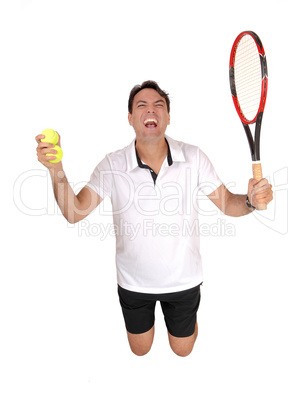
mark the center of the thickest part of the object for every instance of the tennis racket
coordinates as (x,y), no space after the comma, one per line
(249,83)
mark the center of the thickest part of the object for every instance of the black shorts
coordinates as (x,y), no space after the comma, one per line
(179,309)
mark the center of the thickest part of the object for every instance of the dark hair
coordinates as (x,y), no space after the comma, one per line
(148,84)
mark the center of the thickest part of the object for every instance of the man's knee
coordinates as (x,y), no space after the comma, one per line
(140,350)
(183,346)
(141,344)
(182,351)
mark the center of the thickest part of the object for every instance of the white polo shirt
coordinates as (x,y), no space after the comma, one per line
(156,223)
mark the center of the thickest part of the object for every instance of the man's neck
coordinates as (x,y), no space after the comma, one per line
(152,153)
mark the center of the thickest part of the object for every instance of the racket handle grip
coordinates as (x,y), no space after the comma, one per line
(257,175)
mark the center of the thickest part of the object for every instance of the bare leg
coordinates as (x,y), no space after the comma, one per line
(141,343)
(183,346)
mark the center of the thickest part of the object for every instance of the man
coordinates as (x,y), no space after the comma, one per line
(154,184)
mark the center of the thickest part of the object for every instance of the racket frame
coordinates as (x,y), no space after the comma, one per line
(254,144)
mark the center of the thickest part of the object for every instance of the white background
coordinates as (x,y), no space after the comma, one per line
(70,65)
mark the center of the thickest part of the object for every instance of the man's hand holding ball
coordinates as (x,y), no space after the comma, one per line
(47,143)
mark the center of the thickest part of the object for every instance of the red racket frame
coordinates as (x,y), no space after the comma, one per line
(264,74)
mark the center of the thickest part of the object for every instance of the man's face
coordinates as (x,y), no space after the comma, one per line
(149,116)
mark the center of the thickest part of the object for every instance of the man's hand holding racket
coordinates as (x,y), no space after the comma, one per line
(259,192)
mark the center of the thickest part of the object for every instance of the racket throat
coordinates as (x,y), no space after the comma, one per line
(250,141)
(254,144)
(257,135)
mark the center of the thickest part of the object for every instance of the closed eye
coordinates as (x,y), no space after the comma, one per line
(158,103)
(141,103)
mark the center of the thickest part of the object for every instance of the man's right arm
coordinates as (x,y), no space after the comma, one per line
(73,207)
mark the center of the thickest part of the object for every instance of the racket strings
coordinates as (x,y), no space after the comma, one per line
(248,76)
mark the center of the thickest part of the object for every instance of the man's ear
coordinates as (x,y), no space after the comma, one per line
(130,119)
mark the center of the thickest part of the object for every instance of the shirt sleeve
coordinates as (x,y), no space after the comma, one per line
(101,180)
(208,179)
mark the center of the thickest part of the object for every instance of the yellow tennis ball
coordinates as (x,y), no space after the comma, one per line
(59,154)
(50,136)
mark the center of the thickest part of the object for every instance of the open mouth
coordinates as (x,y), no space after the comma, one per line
(150,123)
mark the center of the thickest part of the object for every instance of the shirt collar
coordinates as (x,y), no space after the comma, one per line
(175,154)
(169,157)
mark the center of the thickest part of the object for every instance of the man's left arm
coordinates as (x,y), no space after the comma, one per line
(235,204)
